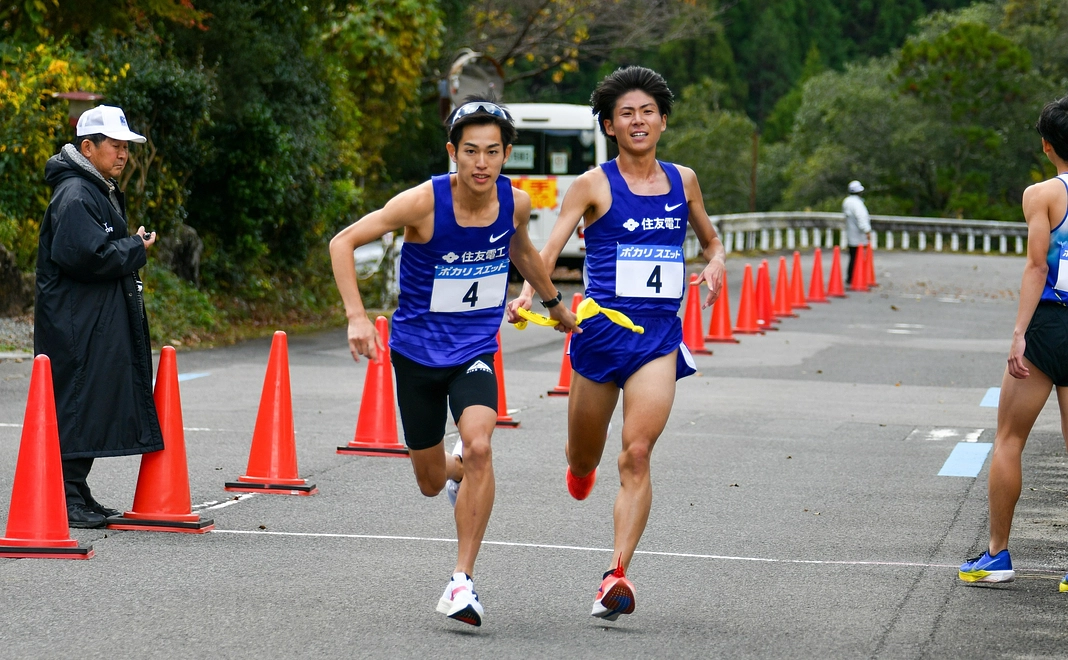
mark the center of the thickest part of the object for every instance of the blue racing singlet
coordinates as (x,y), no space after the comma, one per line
(634,260)
(1056,288)
(452,288)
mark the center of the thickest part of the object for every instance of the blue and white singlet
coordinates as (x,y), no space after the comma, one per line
(453,287)
(1056,287)
(634,258)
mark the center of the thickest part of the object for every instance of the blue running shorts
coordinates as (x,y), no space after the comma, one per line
(607,352)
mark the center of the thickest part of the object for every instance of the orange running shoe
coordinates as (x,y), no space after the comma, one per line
(580,487)
(615,597)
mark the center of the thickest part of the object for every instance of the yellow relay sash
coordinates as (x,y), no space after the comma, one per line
(588,308)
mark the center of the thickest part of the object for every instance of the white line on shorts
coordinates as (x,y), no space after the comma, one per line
(686,555)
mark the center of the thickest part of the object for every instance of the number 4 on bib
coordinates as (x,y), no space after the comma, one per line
(649,271)
(468,288)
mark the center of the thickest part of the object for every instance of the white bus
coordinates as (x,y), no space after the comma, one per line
(556,143)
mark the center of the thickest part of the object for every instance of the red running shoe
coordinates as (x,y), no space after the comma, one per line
(615,597)
(580,487)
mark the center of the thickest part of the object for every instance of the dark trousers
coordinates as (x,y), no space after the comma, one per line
(852,260)
(75,472)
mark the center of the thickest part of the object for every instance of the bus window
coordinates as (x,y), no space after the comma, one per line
(553,152)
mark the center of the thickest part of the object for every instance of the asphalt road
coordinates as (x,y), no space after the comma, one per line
(798,510)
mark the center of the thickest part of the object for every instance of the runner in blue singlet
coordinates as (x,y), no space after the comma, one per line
(635,211)
(460,231)
(1038,355)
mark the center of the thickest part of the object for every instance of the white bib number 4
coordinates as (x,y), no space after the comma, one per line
(469,288)
(1062,271)
(649,271)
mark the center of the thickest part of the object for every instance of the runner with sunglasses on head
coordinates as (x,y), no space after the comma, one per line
(635,210)
(460,232)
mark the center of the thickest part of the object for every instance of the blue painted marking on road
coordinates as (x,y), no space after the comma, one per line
(185,377)
(990,399)
(966,459)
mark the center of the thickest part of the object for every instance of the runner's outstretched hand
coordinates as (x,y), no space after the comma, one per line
(712,276)
(1017,368)
(363,338)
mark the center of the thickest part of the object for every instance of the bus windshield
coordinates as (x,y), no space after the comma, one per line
(553,152)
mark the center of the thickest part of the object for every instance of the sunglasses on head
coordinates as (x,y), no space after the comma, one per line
(474,106)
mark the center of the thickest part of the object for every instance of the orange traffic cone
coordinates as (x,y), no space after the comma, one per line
(272,463)
(816,293)
(376,427)
(782,305)
(503,418)
(692,335)
(563,386)
(161,502)
(797,285)
(860,271)
(765,316)
(871,268)
(747,314)
(719,329)
(834,283)
(37,519)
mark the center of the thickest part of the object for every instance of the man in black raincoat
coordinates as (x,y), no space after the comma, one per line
(89,316)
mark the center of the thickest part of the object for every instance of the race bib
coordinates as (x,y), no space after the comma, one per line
(1062,271)
(469,287)
(649,271)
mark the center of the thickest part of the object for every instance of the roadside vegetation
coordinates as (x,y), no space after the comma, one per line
(271,125)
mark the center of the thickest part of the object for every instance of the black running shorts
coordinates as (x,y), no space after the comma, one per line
(1047,341)
(423,391)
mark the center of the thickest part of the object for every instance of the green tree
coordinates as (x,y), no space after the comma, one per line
(716,143)
(33,125)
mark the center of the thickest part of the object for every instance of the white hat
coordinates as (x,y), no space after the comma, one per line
(108,120)
(855,187)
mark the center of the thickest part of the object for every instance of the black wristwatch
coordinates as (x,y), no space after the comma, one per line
(553,302)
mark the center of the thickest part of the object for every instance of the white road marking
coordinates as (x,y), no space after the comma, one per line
(12,426)
(184,377)
(898,331)
(223,505)
(543,546)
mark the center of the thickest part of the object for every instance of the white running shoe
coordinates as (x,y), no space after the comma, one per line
(460,602)
(452,488)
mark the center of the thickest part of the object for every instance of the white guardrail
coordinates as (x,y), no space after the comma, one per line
(749,232)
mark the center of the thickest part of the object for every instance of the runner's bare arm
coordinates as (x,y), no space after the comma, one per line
(526,258)
(1037,200)
(711,246)
(579,202)
(412,209)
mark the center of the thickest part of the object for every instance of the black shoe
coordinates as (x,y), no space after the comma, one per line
(82,517)
(97,507)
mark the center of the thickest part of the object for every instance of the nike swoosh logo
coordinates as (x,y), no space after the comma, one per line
(494,239)
(669,209)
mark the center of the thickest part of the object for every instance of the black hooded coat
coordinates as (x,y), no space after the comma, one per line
(89,317)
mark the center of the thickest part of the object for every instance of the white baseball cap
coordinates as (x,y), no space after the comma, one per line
(110,121)
(854,186)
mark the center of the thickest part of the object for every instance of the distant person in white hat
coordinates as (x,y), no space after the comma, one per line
(858,224)
(89,317)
